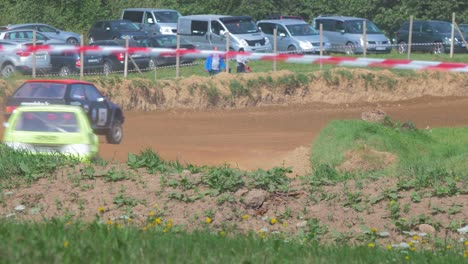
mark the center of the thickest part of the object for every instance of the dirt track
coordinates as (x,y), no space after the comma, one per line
(262,137)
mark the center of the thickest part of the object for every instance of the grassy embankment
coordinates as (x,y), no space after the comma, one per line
(433,161)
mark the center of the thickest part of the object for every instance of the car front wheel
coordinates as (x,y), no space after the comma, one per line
(64,71)
(115,133)
(438,48)
(107,67)
(8,70)
(72,41)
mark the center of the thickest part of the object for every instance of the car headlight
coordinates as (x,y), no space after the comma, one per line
(305,45)
(267,41)
(165,30)
(243,42)
(76,149)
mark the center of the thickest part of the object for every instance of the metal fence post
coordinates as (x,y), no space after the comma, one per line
(275,47)
(34,55)
(410,36)
(364,38)
(81,58)
(178,56)
(126,58)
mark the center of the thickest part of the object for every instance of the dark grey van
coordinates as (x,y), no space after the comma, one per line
(346,34)
(208,31)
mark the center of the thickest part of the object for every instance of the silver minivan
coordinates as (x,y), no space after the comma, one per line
(346,34)
(207,31)
(157,21)
(294,36)
(17,57)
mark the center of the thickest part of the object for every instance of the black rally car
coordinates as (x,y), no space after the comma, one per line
(106,118)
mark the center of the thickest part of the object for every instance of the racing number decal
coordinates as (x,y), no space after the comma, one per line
(102,117)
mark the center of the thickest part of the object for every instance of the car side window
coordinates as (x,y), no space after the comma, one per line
(46,29)
(282,30)
(339,26)
(426,27)
(98,24)
(417,26)
(148,18)
(91,92)
(77,92)
(267,28)
(216,27)
(199,28)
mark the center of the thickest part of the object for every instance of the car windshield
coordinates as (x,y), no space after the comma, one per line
(41,90)
(356,27)
(301,30)
(442,27)
(464,28)
(125,26)
(241,26)
(166,16)
(35,121)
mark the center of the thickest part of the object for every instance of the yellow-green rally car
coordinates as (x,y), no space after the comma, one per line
(51,129)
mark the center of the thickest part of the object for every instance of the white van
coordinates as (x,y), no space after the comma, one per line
(157,21)
(207,31)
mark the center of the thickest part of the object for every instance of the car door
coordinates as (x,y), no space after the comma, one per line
(416,36)
(199,34)
(98,106)
(215,37)
(283,38)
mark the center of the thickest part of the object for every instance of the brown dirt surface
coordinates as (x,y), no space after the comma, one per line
(274,126)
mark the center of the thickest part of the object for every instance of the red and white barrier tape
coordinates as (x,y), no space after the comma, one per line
(289,58)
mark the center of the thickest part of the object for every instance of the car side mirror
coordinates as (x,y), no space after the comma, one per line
(222,32)
(57,32)
(101,99)
(342,31)
(107,28)
(282,34)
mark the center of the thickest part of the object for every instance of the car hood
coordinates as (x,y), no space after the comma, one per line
(250,36)
(169,25)
(133,33)
(313,38)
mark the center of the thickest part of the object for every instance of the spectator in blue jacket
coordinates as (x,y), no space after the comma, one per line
(214,63)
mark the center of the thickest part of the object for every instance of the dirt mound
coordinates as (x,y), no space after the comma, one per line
(366,159)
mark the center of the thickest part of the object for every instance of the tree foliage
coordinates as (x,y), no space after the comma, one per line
(78,15)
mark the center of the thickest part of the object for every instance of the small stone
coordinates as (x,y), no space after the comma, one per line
(410,233)
(255,198)
(10,215)
(9,193)
(463,230)
(186,173)
(20,208)
(34,210)
(301,224)
(384,234)
(401,245)
(264,230)
(425,228)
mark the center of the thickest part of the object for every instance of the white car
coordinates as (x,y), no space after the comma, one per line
(47,30)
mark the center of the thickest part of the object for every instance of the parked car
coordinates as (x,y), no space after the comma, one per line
(346,34)
(106,118)
(115,61)
(51,129)
(15,57)
(156,21)
(28,35)
(430,36)
(49,31)
(209,31)
(463,28)
(69,62)
(294,36)
(115,29)
(166,42)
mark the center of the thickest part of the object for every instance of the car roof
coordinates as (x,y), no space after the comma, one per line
(211,16)
(148,9)
(63,81)
(51,107)
(341,18)
(26,24)
(285,21)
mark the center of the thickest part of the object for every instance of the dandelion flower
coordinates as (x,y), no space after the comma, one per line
(285,224)
(245,217)
(119,226)
(151,213)
(65,244)
(155,205)
(208,220)
(406,257)
(109,222)
(273,221)
(157,221)
(415,238)
(371,245)
(448,247)
(165,230)
(389,247)
(413,248)
(169,225)
(222,233)
(374,230)
(466,243)
(101,209)
(410,243)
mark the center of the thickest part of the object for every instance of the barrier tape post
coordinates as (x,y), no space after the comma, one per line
(275,32)
(321,45)
(34,55)
(178,57)
(126,58)
(81,58)
(364,38)
(410,36)
(453,35)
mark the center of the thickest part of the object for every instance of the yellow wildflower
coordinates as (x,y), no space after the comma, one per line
(407,257)
(222,233)
(415,237)
(144,228)
(65,244)
(208,220)
(169,225)
(273,221)
(410,243)
(157,221)
(155,205)
(129,220)
(165,230)
(448,247)
(245,217)
(413,248)
(374,230)
(466,243)
(371,245)
(119,226)
(101,209)
(392,202)
(109,222)
(389,247)
(465,254)
(151,213)
(285,224)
